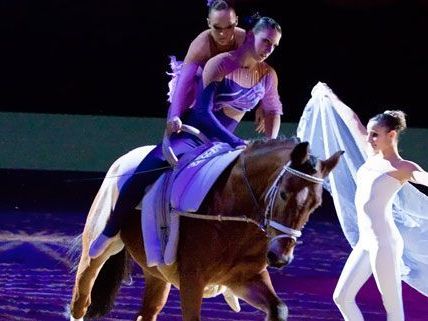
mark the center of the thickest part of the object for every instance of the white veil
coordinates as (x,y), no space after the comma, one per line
(328,131)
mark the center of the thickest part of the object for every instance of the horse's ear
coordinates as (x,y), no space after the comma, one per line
(300,153)
(330,163)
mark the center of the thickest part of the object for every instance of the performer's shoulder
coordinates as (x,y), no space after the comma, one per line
(408,166)
(202,38)
(199,49)
(221,60)
(266,69)
(239,36)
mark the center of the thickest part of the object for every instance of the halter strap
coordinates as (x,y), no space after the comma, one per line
(271,197)
(286,230)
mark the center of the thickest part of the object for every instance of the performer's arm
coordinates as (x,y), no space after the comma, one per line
(214,71)
(272,124)
(183,94)
(259,120)
(347,114)
(271,106)
(185,90)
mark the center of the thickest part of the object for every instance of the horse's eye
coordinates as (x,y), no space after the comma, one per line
(283,195)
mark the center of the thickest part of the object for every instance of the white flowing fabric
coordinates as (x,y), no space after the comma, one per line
(328,131)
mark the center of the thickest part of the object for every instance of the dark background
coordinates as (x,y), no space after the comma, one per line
(110,57)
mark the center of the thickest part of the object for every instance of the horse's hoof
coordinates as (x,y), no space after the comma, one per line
(232,300)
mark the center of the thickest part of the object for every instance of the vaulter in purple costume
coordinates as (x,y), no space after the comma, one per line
(233,83)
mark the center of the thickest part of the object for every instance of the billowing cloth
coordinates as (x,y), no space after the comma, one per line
(327,131)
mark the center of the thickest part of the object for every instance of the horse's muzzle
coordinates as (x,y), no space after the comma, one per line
(278,262)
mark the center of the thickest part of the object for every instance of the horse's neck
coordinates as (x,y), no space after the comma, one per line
(265,163)
(251,176)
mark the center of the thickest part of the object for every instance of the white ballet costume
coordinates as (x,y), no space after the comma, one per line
(380,245)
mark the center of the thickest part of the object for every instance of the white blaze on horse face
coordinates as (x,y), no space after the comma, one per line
(294,209)
(302,197)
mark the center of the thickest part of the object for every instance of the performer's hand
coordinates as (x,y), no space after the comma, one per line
(260,121)
(239,144)
(173,125)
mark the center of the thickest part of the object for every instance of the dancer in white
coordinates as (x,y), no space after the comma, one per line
(379,248)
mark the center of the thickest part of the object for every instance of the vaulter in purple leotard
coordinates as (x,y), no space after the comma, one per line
(232,84)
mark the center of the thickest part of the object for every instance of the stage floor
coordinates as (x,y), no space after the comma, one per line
(36,278)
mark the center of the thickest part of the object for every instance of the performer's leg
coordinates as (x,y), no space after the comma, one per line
(385,261)
(134,188)
(355,273)
(129,196)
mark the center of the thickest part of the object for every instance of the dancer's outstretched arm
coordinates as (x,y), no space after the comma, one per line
(349,117)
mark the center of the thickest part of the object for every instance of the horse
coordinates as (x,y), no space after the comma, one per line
(264,199)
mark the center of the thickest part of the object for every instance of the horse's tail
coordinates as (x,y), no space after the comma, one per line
(74,251)
(107,284)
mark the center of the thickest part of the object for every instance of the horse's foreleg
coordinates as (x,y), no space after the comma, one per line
(155,296)
(260,293)
(191,292)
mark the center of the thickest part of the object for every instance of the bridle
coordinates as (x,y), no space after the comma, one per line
(270,198)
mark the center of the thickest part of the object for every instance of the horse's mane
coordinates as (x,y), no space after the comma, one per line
(283,141)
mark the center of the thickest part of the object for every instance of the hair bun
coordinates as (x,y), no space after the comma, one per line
(400,118)
(213,3)
(248,22)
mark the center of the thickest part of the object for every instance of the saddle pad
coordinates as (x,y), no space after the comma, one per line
(156,220)
(160,227)
(193,182)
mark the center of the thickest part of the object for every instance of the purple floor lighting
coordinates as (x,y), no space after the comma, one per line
(36,280)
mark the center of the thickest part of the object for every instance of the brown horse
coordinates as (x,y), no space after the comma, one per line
(265,198)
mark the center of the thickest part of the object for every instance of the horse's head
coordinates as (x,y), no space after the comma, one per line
(295,194)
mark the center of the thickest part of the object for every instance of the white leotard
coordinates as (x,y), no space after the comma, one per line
(376,190)
(329,130)
(380,245)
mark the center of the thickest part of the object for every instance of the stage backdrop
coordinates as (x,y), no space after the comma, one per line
(91,143)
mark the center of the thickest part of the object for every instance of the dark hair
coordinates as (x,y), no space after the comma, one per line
(392,120)
(256,23)
(218,5)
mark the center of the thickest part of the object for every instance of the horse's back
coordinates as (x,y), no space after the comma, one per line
(108,192)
